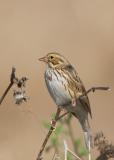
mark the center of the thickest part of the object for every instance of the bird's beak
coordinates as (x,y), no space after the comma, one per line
(44,59)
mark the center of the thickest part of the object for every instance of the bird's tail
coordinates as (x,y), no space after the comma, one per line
(88,140)
(87,135)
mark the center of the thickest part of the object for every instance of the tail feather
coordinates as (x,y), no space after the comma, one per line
(87,135)
(82,115)
(87,131)
(88,140)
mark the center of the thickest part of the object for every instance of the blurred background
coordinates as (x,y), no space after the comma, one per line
(83,31)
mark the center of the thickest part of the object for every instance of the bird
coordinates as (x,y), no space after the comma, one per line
(68,91)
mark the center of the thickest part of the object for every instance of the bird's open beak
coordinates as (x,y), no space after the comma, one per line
(44,59)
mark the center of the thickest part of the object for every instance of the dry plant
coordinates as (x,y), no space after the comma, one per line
(59,117)
(105,148)
(19,94)
(66,149)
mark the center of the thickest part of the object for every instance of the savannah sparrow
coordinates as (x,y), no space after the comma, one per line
(65,87)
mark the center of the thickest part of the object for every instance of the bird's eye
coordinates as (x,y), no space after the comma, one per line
(51,57)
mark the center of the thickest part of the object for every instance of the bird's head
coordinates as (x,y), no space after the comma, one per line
(54,60)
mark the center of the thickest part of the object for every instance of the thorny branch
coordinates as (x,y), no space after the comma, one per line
(58,117)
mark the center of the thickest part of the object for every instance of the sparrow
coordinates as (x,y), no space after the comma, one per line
(67,90)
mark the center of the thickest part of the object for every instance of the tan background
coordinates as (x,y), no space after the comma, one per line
(81,30)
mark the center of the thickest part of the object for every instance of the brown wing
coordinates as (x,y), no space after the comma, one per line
(78,86)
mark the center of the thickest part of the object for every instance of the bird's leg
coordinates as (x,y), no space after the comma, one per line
(74,101)
(53,122)
(61,116)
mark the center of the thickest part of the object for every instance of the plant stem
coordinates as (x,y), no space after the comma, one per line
(12,78)
(71,136)
(58,117)
(49,134)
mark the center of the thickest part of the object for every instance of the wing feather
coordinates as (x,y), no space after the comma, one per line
(77,86)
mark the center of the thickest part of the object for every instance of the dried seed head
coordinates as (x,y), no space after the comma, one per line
(20,97)
(22,82)
(103,146)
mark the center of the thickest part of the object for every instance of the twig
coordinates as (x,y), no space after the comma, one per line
(71,135)
(58,117)
(89,154)
(12,78)
(53,158)
(93,89)
(71,152)
(19,95)
(68,150)
(49,133)
(63,115)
